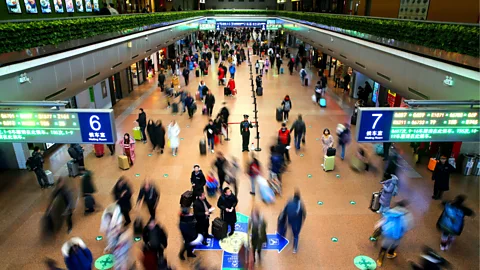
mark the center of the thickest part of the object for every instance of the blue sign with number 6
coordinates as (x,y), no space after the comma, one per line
(97,127)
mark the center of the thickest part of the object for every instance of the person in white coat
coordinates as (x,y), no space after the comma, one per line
(173,133)
(112,223)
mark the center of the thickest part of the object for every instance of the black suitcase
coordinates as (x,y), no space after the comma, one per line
(219,228)
(259,91)
(138,227)
(279,114)
(375,201)
(186,199)
(353,119)
(306,81)
(331,152)
(174,108)
(197,73)
(89,202)
(203,147)
(226,91)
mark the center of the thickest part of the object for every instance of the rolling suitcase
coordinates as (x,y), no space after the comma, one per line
(331,152)
(72,168)
(50,179)
(174,108)
(89,203)
(197,73)
(306,81)
(137,134)
(353,119)
(259,91)
(123,162)
(203,147)
(186,199)
(219,228)
(323,103)
(267,194)
(279,114)
(375,202)
(329,163)
(281,70)
(99,150)
(226,91)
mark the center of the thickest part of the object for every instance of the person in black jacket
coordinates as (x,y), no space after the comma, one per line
(258,80)
(142,123)
(202,209)
(159,134)
(149,194)
(76,153)
(227,203)
(161,80)
(210,131)
(189,233)
(209,102)
(220,165)
(122,193)
(37,168)
(441,176)
(151,135)
(88,188)
(198,180)
(155,238)
(186,75)
(66,195)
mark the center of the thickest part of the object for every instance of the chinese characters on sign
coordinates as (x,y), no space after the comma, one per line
(64,126)
(207,26)
(241,24)
(410,125)
(274,26)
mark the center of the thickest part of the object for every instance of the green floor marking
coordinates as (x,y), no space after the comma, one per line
(373,239)
(320,203)
(353,202)
(165,175)
(309,126)
(181,139)
(317,139)
(98,238)
(309,176)
(136,239)
(338,175)
(149,155)
(104,262)
(334,239)
(364,263)
(188,126)
(301,155)
(137,175)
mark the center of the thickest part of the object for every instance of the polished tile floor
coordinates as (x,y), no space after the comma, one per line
(23,203)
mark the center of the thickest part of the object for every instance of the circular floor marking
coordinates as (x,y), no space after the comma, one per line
(149,155)
(320,203)
(353,202)
(338,175)
(98,238)
(334,239)
(317,139)
(165,175)
(364,263)
(137,175)
(136,239)
(309,176)
(301,155)
(105,262)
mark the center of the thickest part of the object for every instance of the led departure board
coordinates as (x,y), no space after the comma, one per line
(417,125)
(58,126)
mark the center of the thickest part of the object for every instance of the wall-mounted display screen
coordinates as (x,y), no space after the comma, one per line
(69,4)
(64,126)
(31,6)
(45,6)
(88,6)
(79,5)
(13,6)
(418,125)
(59,6)
(96,6)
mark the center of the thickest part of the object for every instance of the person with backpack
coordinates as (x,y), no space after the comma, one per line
(284,140)
(62,191)
(344,137)
(394,224)
(389,189)
(299,130)
(76,153)
(35,164)
(451,221)
(295,214)
(77,255)
(154,238)
(287,106)
(441,176)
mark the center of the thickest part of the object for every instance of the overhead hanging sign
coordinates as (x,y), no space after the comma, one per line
(418,125)
(241,24)
(90,126)
(207,26)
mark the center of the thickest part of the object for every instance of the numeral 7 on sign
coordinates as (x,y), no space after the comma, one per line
(378,115)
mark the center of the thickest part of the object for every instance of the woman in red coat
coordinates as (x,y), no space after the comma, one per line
(221,75)
(231,85)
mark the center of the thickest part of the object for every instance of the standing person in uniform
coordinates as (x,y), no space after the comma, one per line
(202,210)
(299,130)
(287,106)
(441,176)
(245,127)
(198,181)
(227,203)
(37,167)
(149,194)
(142,123)
(296,214)
(122,193)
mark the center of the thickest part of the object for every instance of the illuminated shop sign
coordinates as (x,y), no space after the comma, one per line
(417,125)
(241,24)
(274,26)
(207,26)
(64,126)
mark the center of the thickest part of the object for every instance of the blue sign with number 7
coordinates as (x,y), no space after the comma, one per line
(374,125)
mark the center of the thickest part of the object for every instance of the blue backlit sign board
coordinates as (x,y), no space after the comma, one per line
(88,126)
(241,24)
(417,125)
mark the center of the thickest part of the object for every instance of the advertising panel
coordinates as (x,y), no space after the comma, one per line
(45,6)
(31,6)
(13,6)
(58,6)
